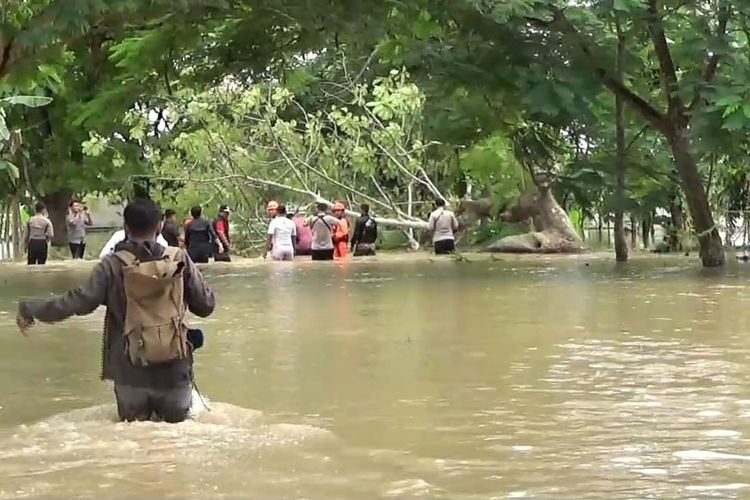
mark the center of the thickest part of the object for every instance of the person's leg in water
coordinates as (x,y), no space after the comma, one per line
(199,253)
(445,247)
(322,254)
(37,252)
(173,405)
(132,403)
(282,255)
(73,249)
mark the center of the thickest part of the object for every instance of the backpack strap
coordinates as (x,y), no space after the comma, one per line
(126,257)
(322,219)
(173,254)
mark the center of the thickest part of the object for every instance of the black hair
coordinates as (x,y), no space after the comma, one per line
(439,202)
(281,210)
(141,217)
(74,200)
(169,213)
(196,211)
(39,207)
(322,207)
(365,208)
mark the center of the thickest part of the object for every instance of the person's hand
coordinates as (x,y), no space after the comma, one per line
(23,321)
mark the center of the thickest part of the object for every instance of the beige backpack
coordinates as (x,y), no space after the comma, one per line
(155,330)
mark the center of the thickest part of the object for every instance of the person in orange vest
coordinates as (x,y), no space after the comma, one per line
(340,232)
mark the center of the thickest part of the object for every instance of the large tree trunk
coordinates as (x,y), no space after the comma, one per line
(553,230)
(57,206)
(711,248)
(621,244)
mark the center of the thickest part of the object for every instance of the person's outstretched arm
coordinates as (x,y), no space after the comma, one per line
(200,300)
(83,300)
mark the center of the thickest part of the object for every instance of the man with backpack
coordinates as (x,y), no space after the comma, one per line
(322,226)
(365,233)
(147,289)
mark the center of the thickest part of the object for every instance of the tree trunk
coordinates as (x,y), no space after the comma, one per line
(57,206)
(621,244)
(633,232)
(677,224)
(552,232)
(600,223)
(711,248)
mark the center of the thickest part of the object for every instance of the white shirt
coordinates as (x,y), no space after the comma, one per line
(443,224)
(283,231)
(117,237)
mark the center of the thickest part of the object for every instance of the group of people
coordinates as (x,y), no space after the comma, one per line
(324,236)
(40,232)
(148,282)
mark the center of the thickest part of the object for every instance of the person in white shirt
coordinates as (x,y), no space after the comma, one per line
(282,236)
(443,224)
(118,237)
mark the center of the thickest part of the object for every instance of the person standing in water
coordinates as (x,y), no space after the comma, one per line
(365,233)
(39,232)
(282,236)
(443,225)
(169,229)
(221,228)
(200,237)
(77,220)
(147,289)
(322,226)
(340,232)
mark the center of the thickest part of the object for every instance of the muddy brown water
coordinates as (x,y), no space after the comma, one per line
(403,378)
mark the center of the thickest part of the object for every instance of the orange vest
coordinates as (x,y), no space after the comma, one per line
(341,232)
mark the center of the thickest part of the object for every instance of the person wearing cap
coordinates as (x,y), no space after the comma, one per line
(271,209)
(282,236)
(221,226)
(340,232)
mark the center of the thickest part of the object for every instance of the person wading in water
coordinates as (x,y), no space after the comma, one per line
(77,220)
(365,233)
(200,237)
(221,228)
(147,289)
(443,225)
(322,230)
(39,232)
(340,232)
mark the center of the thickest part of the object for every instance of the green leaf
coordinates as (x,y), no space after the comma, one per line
(10,168)
(30,101)
(746,110)
(4,132)
(729,100)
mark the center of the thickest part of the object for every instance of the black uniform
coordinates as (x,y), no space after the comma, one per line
(200,240)
(365,235)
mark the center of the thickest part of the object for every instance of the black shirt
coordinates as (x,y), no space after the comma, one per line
(199,231)
(365,231)
(171,233)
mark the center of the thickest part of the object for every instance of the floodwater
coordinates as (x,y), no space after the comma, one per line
(538,378)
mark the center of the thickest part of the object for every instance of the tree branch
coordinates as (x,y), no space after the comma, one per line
(713,61)
(652,115)
(668,71)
